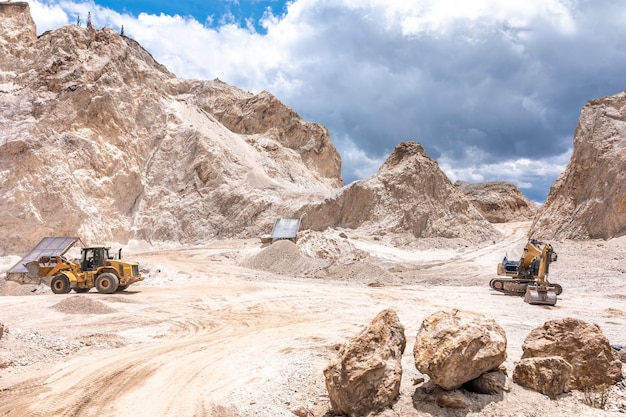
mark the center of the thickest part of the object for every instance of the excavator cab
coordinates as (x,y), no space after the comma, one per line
(94,258)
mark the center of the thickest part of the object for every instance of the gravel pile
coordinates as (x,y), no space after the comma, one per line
(283,257)
(82,305)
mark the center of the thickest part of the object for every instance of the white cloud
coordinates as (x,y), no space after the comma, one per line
(525,173)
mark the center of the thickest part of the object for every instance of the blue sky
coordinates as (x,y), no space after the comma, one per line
(492,88)
(209,13)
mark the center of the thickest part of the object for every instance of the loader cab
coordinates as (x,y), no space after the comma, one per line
(94,258)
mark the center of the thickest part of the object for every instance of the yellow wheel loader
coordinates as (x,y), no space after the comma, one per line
(95,269)
(529,275)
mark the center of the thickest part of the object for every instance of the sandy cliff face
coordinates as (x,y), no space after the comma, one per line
(409,193)
(498,201)
(588,200)
(101,141)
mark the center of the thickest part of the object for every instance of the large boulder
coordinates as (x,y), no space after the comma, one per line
(582,345)
(365,375)
(588,200)
(453,347)
(548,375)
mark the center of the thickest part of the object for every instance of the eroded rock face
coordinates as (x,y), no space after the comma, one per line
(549,375)
(453,347)
(365,375)
(18,26)
(588,199)
(101,141)
(409,193)
(582,345)
(498,201)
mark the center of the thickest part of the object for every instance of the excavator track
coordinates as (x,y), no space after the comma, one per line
(516,286)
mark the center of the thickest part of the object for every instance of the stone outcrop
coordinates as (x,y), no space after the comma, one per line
(498,201)
(101,141)
(365,375)
(453,347)
(409,193)
(588,199)
(18,27)
(548,375)
(582,345)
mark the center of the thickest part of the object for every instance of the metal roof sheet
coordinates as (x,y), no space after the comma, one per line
(49,246)
(286,228)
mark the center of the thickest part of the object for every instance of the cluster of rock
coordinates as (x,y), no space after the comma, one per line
(567,354)
(463,349)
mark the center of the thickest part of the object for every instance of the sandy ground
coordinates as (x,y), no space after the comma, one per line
(205,336)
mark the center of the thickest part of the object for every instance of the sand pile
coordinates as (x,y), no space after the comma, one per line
(82,305)
(322,256)
(15,288)
(329,245)
(283,257)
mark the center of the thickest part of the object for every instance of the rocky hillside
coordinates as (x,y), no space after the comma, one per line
(588,200)
(498,201)
(101,141)
(409,193)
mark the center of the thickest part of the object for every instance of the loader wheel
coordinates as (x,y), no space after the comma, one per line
(107,283)
(60,284)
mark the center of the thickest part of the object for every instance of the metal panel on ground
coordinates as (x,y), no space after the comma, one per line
(49,246)
(286,228)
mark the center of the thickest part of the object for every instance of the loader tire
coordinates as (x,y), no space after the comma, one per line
(60,284)
(107,283)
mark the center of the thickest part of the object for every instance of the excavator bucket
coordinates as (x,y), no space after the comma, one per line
(542,296)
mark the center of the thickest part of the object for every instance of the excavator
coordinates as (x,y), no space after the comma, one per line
(529,275)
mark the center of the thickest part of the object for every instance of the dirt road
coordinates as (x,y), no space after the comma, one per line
(204,336)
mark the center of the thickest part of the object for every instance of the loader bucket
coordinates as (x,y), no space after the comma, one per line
(33,269)
(536,295)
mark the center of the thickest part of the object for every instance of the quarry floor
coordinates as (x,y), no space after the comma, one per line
(203,336)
